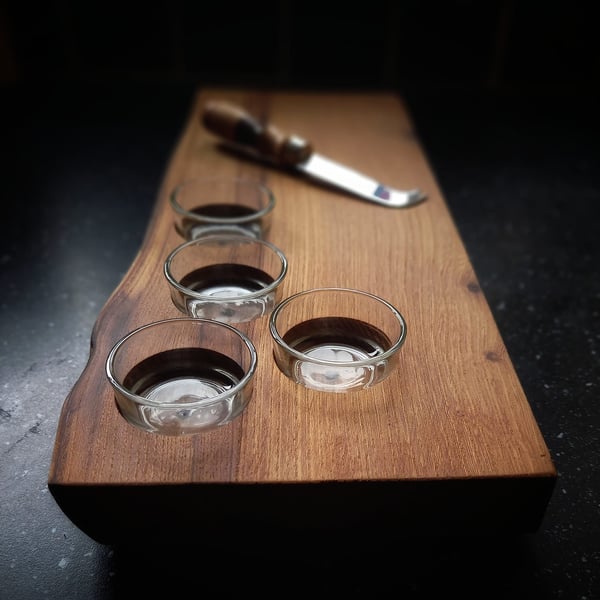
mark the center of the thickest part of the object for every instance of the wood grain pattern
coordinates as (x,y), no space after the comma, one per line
(453,412)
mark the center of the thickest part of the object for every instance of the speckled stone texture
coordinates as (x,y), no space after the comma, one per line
(521,175)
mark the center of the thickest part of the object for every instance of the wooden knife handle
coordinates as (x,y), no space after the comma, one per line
(234,124)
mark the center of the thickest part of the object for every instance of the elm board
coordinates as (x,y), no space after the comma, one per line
(448,443)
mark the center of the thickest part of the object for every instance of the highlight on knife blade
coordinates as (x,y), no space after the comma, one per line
(398,199)
(382,192)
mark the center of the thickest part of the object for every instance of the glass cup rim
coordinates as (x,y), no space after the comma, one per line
(222,220)
(143,401)
(332,363)
(225,237)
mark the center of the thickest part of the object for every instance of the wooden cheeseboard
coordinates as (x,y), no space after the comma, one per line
(447,443)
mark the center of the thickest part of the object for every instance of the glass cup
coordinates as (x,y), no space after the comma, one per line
(336,339)
(205,206)
(182,376)
(228,278)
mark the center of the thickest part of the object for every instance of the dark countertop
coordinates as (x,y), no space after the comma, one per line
(520,172)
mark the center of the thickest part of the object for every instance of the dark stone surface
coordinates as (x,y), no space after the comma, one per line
(80,170)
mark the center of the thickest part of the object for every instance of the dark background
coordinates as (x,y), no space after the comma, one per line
(504,96)
(292,43)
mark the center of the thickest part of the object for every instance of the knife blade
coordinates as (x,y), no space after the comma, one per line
(266,142)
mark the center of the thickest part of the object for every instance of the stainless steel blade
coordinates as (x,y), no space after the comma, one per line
(329,171)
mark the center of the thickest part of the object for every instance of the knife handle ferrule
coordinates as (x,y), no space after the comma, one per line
(235,125)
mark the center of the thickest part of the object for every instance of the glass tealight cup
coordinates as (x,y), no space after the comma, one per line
(207,206)
(336,339)
(182,376)
(228,278)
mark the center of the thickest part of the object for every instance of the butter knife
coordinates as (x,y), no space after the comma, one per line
(240,129)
